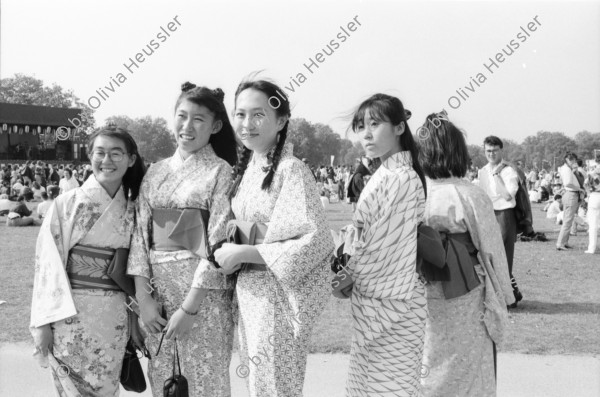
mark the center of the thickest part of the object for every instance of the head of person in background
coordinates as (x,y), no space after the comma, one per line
(201,119)
(381,122)
(261,123)
(53,192)
(492,146)
(68,173)
(571,160)
(116,161)
(443,152)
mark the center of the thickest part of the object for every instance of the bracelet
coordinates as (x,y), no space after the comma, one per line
(189,313)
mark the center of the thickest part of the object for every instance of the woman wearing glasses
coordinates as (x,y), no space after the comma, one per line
(78,313)
(179,290)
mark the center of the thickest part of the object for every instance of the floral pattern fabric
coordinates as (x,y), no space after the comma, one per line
(278,307)
(201,181)
(460,331)
(89,326)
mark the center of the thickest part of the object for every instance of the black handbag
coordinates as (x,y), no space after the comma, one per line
(132,375)
(176,385)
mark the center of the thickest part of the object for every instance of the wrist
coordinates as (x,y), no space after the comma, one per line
(188,312)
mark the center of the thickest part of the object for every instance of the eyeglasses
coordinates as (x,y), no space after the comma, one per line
(115,156)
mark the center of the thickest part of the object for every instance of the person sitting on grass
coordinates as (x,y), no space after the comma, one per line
(554,208)
(5,204)
(20,214)
(26,191)
(42,207)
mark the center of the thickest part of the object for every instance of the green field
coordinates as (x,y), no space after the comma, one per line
(560,313)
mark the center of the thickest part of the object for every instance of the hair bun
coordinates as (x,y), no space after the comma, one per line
(187,86)
(407,113)
(111,125)
(219,94)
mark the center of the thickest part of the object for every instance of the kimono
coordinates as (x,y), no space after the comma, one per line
(388,299)
(202,181)
(278,307)
(90,325)
(460,332)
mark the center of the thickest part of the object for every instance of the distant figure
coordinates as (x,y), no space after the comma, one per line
(20,214)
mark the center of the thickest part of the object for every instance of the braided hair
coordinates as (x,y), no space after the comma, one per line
(274,93)
(389,108)
(223,142)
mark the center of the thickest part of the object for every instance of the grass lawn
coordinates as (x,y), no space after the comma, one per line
(560,313)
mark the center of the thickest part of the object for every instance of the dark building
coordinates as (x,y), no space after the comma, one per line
(29,132)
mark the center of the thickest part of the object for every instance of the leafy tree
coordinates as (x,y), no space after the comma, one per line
(586,143)
(27,90)
(152,135)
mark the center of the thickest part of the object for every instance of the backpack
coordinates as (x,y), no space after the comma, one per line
(523,205)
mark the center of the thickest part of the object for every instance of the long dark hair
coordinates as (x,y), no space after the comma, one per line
(132,180)
(223,142)
(384,107)
(271,90)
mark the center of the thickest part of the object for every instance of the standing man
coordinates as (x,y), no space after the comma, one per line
(501,182)
(573,184)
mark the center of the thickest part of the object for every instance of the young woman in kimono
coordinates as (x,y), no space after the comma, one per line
(460,332)
(388,299)
(171,273)
(77,312)
(283,286)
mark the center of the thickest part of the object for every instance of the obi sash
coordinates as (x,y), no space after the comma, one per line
(87,268)
(458,275)
(181,229)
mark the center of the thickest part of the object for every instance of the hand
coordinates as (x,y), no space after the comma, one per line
(150,314)
(43,339)
(179,325)
(229,257)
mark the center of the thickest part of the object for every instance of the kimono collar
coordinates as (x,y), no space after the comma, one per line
(261,159)
(397,160)
(94,189)
(177,159)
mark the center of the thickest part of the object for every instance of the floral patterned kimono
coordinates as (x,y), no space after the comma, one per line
(388,299)
(278,307)
(90,326)
(460,331)
(201,181)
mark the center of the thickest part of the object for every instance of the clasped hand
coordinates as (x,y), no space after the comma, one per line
(230,257)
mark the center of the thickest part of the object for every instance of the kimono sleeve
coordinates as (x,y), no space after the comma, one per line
(487,238)
(298,240)
(206,275)
(139,250)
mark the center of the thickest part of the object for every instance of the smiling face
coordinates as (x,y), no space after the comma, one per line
(379,137)
(194,124)
(255,121)
(110,161)
(493,154)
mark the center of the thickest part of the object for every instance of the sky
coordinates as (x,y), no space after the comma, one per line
(423,52)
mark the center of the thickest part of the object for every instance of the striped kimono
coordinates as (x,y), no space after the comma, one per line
(388,299)
(72,293)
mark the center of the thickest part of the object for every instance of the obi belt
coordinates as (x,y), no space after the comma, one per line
(457,274)
(88,267)
(182,229)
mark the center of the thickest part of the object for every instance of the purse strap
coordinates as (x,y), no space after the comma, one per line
(176,356)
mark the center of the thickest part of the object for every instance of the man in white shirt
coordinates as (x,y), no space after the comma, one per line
(68,182)
(570,199)
(501,182)
(555,208)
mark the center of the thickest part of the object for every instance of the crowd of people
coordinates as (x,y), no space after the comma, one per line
(231,234)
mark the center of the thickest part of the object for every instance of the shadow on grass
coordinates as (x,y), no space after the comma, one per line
(530,306)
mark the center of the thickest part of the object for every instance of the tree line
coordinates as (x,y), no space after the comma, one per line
(314,142)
